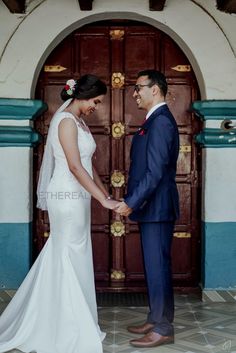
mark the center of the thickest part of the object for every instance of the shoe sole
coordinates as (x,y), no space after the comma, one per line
(151,345)
(140,333)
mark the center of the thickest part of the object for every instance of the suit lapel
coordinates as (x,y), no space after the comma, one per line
(162,109)
(154,115)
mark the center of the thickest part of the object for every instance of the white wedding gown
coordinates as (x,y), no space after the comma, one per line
(54,310)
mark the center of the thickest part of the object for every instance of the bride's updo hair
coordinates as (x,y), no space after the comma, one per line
(86,87)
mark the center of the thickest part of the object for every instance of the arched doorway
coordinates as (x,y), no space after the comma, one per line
(116,51)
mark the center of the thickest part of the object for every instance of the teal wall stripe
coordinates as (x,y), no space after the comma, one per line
(15,253)
(21,136)
(219,255)
(21,109)
(214,109)
(216,138)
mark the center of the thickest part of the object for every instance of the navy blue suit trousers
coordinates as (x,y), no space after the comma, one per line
(156,241)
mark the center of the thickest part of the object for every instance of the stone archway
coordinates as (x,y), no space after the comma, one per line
(19,68)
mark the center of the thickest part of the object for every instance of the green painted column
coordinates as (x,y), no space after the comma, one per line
(218,198)
(216,112)
(17,139)
(20,111)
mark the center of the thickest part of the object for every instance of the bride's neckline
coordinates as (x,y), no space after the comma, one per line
(80,122)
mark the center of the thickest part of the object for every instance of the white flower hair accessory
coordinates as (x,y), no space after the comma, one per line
(70,87)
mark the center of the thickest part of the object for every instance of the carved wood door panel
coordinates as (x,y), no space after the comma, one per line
(116,52)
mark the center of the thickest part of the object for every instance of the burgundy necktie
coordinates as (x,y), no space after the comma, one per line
(143,121)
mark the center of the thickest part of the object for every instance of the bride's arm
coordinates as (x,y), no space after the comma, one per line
(99,182)
(68,137)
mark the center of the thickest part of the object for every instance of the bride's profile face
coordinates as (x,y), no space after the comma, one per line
(90,105)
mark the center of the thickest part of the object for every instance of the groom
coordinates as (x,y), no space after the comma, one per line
(152,201)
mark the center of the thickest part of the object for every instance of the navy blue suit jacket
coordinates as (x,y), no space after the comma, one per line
(151,190)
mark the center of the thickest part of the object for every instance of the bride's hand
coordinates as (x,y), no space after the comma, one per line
(110,204)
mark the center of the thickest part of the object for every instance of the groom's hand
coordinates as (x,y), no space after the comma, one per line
(123,209)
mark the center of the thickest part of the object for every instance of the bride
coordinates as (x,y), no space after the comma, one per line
(54,310)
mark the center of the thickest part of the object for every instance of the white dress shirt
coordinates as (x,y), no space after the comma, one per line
(154,108)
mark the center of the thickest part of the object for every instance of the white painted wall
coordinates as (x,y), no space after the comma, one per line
(220,185)
(15,185)
(225,21)
(209,49)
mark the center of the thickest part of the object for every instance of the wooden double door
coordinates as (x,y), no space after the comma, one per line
(116,51)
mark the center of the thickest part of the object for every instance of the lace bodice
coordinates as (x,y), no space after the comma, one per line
(86,144)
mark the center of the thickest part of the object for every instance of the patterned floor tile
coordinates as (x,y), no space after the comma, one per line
(199,327)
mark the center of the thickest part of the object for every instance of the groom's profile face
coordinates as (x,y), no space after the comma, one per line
(143,92)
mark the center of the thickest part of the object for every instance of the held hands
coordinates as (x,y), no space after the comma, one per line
(123,209)
(110,204)
(117,206)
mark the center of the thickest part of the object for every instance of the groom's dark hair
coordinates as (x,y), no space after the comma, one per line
(156,78)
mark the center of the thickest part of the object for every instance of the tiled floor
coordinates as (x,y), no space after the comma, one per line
(199,327)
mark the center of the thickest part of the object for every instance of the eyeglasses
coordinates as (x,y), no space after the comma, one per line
(138,87)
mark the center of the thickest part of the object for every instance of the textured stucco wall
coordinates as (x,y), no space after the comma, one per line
(193,27)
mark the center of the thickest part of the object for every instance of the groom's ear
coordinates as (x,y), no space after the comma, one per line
(155,90)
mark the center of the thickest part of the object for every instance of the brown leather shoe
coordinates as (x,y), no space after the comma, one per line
(141,329)
(152,339)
